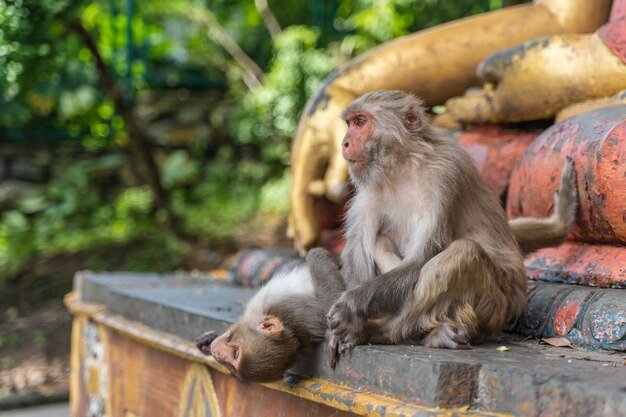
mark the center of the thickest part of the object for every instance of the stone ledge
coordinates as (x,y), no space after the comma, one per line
(530,379)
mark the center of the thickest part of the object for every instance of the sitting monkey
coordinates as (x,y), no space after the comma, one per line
(459,275)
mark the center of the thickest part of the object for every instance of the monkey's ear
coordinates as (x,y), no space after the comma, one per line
(271,326)
(411,121)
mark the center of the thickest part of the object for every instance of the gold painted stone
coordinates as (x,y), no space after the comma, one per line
(537,79)
(585,106)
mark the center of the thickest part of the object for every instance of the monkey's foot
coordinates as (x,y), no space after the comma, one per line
(203,342)
(346,329)
(336,347)
(448,336)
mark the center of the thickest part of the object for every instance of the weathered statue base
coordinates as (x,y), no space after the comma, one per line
(133,355)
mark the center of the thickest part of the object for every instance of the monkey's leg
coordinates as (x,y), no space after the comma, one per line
(456,299)
(325,273)
(386,255)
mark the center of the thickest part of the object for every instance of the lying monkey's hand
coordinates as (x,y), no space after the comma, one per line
(346,326)
(203,342)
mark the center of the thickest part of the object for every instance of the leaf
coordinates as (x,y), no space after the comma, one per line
(558,342)
(503,349)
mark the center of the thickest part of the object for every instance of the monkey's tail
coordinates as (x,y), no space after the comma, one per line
(532,233)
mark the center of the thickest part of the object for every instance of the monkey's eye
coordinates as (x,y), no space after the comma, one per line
(235,354)
(359,120)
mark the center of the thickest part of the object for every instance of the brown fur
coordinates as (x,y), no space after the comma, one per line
(533,233)
(253,352)
(460,274)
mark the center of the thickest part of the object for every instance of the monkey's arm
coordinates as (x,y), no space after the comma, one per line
(383,295)
(532,233)
(362,227)
(348,317)
(386,254)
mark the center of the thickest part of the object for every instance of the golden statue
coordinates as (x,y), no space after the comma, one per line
(437,64)
(537,79)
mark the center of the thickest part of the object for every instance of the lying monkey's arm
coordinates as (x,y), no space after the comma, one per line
(532,233)
(386,254)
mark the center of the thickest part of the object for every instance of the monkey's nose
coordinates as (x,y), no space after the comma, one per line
(345,143)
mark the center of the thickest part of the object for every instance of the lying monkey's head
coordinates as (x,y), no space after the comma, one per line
(383,128)
(257,352)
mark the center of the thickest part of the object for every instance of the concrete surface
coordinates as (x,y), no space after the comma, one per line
(529,379)
(50,410)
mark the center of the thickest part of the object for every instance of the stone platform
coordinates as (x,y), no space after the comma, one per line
(161,314)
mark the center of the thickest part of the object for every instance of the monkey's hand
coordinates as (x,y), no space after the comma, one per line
(346,326)
(203,342)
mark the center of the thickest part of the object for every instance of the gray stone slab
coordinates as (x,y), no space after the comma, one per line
(530,379)
(51,410)
(181,305)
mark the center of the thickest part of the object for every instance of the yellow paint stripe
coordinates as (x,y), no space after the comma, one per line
(319,390)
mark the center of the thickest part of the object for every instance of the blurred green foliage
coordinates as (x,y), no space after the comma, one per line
(218,184)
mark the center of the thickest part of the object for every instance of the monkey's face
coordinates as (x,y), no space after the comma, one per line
(255,353)
(353,147)
(383,127)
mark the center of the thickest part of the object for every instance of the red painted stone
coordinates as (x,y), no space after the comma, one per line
(332,239)
(330,214)
(614,36)
(579,263)
(618,10)
(565,317)
(588,317)
(495,151)
(596,141)
(608,325)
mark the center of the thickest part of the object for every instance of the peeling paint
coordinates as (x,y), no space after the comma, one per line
(596,141)
(579,263)
(564,318)
(588,317)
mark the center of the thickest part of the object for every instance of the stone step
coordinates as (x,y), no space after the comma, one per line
(588,317)
(593,318)
(530,379)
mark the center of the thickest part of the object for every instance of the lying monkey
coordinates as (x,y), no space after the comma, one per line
(284,319)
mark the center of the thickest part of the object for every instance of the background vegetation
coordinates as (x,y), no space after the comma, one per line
(152,135)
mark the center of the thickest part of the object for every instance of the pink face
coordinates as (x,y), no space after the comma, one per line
(360,127)
(229,348)
(227,352)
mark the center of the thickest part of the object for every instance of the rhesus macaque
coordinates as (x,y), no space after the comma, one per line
(458,274)
(285,318)
(403,227)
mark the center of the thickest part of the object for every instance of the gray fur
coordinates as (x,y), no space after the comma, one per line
(427,195)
